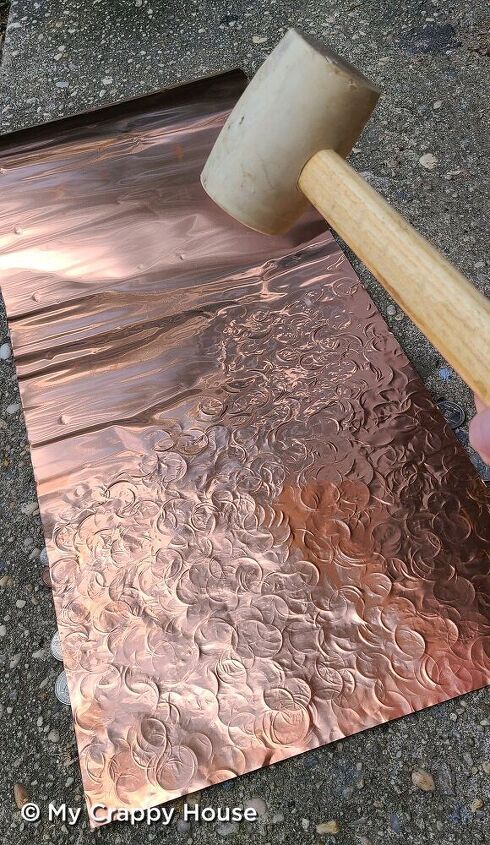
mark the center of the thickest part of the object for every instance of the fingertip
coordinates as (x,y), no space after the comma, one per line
(479,404)
(479,432)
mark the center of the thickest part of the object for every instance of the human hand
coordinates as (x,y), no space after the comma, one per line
(480,430)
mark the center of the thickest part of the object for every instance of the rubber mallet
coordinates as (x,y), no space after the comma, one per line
(284,144)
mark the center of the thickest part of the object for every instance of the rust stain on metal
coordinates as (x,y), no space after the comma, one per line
(262,535)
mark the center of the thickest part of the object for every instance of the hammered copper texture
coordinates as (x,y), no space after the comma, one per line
(262,535)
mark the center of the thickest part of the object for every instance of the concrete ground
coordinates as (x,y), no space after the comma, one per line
(4,14)
(424,149)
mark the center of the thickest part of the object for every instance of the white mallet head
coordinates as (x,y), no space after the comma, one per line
(303,99)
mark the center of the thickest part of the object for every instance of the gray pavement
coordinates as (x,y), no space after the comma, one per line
(431,58)
(4,13)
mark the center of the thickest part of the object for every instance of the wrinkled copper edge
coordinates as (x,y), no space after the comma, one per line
(262,535)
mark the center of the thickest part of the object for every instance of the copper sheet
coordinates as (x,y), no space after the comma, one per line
(262,536)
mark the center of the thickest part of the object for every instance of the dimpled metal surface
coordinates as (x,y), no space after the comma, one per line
(262,535)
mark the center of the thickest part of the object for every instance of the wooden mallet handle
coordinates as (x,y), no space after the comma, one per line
(443,304)
(303,99)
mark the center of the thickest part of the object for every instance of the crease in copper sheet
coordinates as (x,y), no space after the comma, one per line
(262,536)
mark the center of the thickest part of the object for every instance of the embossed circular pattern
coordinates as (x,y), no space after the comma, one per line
(262,534)
(298,558)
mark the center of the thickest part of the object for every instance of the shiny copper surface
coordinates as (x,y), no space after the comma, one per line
(262,535)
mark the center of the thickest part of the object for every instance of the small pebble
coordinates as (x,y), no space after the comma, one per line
(43,557)
(21,795)
(277,818)
(69,782)
(476,805)
(20,603)
(259,39)
(3,630)
(54,735)
(227,828)
(29,508)
(486,767)
(182,825)
(391,310)
(40,654)
(328,827)
(257,804)
(445,779)
(305,823)
(13,408)
(437,104)
(428,161)
(423,780)
(395,823)
(5,351)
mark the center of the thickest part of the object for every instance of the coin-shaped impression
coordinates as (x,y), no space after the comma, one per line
(61,689)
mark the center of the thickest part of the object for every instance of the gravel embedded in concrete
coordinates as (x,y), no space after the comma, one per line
(5,351)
